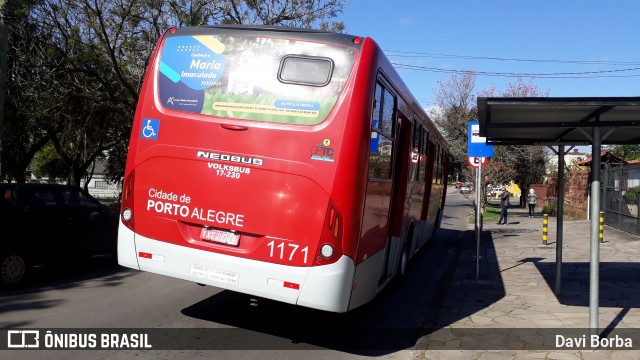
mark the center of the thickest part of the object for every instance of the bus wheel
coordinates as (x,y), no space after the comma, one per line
(436,223)
(404,261)
(13,269)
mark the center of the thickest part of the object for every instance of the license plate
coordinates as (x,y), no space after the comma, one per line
(220,236)
(214,274)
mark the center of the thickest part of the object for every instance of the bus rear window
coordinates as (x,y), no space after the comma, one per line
(250,78)
(306,71)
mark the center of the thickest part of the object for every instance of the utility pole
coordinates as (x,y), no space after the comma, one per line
(4,44)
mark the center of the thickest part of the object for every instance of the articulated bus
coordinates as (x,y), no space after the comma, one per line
(287,164)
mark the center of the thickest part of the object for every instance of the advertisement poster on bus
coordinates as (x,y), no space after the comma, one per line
(261,79)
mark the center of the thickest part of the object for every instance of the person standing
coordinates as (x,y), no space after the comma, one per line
(532,200)
(504,206)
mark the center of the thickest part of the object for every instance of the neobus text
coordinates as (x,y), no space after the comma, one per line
(230,158)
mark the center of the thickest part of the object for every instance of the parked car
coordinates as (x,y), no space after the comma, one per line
(492,190)
(466,188)
(45,224)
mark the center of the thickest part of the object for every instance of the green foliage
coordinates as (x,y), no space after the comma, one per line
(550,209)
(631,195)
(491,213)
(626,152)
(47,162)
(456,101)
(30,70)
(76,67)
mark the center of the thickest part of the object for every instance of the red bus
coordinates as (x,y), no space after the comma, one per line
(288,164)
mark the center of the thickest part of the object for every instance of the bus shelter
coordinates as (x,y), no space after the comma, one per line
(566,121)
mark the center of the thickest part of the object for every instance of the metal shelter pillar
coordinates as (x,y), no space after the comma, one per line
(560,220)
(594,208)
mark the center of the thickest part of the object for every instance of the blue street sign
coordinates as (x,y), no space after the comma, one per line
(476,145)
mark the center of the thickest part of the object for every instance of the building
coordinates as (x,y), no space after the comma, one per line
(572,159)
(98,186)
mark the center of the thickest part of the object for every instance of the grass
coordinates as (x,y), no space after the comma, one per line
(491,213)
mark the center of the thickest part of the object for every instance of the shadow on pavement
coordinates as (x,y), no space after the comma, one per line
(475,285)
(394,321)
(619,283)
(101,269)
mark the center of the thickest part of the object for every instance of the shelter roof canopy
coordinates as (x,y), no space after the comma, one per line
(559,120)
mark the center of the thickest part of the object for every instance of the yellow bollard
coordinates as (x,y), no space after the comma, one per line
(601,226)
(545,228)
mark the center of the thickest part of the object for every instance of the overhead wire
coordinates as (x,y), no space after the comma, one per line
(611,73)
(397,53)
(558,75)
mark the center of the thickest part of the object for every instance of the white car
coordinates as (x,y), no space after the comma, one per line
(493,190)
(466,188)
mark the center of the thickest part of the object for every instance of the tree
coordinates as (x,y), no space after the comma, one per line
(310,14)
(3,74)
(31,91)
(626,152)
(527,160)
(96,53)
(455,101)
(47,162)
(457,106)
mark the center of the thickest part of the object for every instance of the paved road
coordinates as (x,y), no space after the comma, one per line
(101,295)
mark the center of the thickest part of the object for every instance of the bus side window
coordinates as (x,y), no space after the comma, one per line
(437,165)
(415,150)
(424,146)
(381,144)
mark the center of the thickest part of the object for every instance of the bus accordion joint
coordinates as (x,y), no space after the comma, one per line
(330,245)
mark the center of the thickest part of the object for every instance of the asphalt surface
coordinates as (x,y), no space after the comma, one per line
(450,306)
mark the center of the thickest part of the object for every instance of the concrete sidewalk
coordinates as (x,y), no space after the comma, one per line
(512,306)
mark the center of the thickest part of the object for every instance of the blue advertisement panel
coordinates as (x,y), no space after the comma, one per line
(249,78)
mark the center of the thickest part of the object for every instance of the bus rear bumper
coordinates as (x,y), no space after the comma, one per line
(329,287)
(326,287)
(127,255)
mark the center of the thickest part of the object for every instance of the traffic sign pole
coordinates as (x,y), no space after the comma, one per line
(475,161)
(478,152)
(478,222)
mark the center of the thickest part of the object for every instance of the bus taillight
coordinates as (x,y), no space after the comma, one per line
(330,245)
(126,209)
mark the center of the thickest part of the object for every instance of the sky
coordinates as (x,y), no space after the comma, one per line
(566,47)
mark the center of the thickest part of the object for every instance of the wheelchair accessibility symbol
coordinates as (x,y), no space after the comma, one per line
(150,128)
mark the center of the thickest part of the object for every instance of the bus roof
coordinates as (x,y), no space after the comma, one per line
(257,30)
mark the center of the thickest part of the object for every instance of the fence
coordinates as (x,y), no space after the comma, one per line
(620,200)
(576,190)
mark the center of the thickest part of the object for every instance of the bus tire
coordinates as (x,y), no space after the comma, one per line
(13,269)
(403,262)
(436,223)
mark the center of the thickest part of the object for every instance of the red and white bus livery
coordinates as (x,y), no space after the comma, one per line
(288,164)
